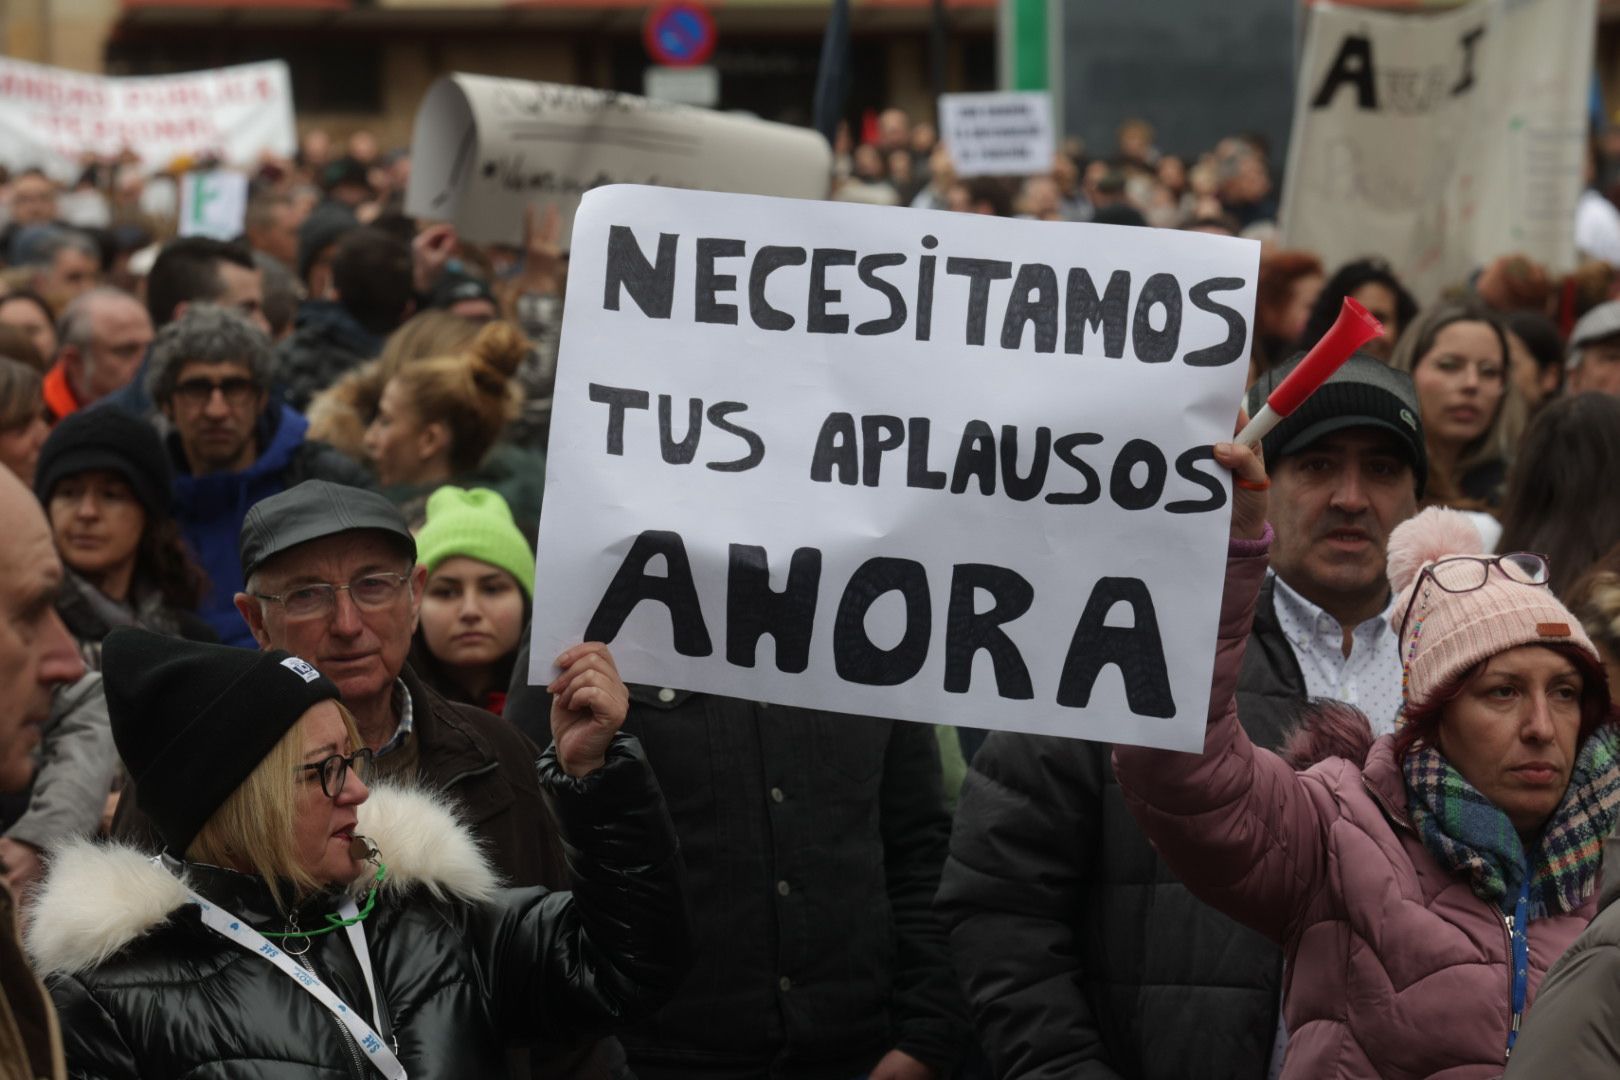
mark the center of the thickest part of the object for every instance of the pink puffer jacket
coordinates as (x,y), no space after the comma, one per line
(1395,969)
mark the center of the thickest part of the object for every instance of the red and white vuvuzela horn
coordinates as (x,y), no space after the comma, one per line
(1354,327)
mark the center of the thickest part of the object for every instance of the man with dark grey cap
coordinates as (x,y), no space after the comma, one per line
(1077,948)
(1594,351)
(331,577)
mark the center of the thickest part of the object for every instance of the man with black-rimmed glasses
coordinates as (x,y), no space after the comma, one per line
(232,441)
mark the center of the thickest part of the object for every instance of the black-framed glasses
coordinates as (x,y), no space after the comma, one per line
(199,392)
(334,771)
(1466,573)
(373,591)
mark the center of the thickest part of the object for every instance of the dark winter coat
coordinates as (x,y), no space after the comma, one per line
(326,344)
(210,508)
(462,967)
(1081,954)
(813,842)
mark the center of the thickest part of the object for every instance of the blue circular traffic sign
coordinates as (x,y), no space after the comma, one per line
(679,34)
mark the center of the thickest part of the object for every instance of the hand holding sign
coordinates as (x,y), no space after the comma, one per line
(589,703)
(1250,483)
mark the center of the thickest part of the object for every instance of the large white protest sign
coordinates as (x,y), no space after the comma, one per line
(1000,134)
(51,117)
(483,148)
(1440,141)
(932,466)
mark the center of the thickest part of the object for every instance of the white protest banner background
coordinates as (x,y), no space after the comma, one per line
(213,203)
(930,466)
(1007,133)
(1440,141)
(483,148)
(50,117)
(1534,134)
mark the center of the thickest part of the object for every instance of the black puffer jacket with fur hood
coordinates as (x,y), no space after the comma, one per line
(463,966)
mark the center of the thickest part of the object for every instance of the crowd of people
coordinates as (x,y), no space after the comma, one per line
(278,794)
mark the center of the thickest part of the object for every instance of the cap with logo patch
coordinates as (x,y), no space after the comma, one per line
(1363,393)
(313,510)
(193,721)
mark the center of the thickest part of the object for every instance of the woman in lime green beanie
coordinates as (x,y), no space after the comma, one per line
(479,593)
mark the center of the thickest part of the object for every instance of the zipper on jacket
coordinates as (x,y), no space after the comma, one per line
(1515,1018)
(356,1061)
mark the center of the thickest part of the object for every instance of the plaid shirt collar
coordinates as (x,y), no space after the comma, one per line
(405,709)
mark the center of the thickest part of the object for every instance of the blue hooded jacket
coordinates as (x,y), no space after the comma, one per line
(210,510)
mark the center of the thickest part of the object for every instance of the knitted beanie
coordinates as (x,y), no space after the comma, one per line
(193,721)
(479,525)
(110,439)
(1449,632)
(1363,393)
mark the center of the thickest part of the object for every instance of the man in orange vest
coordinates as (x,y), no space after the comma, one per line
(104,337)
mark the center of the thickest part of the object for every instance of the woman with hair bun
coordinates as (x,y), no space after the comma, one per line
(439,422)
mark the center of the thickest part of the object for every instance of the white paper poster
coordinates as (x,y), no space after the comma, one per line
(483,148)
(1000,134)
(901,463)
(51,117)
(1440,141)
(213,204)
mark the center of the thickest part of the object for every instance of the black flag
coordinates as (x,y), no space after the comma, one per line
(938,39)
(832,77)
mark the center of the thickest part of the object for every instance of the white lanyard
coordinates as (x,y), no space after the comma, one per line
(229,926)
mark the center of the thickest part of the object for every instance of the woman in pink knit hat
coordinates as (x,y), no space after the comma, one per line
(1420,894)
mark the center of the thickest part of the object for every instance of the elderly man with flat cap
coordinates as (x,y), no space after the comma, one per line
(331,576)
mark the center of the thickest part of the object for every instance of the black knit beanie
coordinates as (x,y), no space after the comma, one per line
(111,439)
(1365,392)
(193,721)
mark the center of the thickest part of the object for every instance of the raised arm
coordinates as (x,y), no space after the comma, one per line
(617,945)
(1236,824)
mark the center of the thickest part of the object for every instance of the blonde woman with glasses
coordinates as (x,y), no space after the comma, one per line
(299,923)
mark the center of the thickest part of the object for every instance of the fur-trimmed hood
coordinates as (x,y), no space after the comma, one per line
(99,898)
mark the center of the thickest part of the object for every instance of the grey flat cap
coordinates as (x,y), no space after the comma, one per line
(1601,322)
(310,511)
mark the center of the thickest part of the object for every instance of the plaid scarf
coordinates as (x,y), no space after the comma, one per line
(1470,836)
